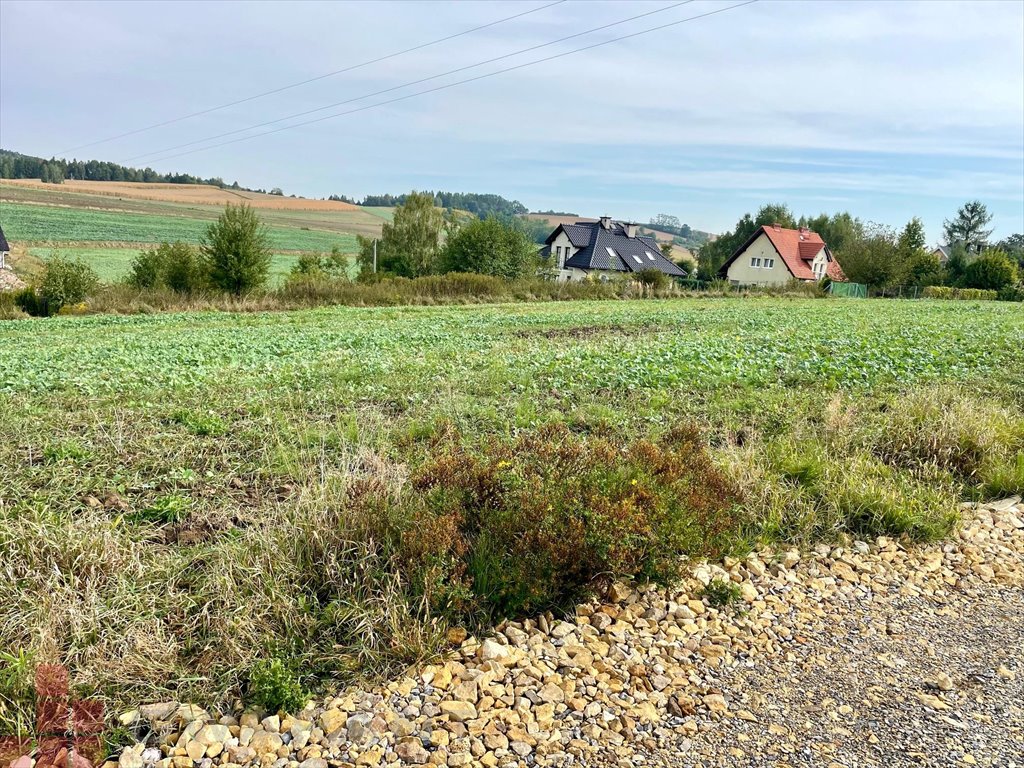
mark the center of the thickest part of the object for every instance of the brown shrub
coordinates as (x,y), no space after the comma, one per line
(501,528)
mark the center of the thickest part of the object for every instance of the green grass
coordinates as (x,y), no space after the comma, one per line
(178,492)
(45,223)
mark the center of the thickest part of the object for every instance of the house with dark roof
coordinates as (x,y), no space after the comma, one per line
(774,255)
(5,249)
(603,249)
(942,253)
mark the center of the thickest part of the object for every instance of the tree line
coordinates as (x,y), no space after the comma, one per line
(882,257)
(480,205)
(14,165)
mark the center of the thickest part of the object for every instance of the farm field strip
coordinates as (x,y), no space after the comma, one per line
(680,346)
(50,224)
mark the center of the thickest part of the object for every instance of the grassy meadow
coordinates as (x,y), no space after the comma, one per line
(106,223)
(184,494)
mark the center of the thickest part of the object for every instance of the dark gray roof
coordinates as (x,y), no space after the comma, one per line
(3,241)
(613,250)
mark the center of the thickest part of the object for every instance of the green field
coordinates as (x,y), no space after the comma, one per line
(114,264)
(41,223)
(184,494)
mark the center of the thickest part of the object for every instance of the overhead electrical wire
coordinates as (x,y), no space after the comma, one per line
(324,76)
(462,82)
(406,85)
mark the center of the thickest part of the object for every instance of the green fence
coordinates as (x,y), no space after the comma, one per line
(849,290)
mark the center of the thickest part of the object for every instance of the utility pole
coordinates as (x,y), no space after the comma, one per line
(375,255)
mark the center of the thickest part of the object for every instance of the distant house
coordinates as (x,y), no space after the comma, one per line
(603,249)
(5,249)
(942,253)
(774,255)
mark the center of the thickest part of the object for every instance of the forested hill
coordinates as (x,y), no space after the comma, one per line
(481,205)
(14,165)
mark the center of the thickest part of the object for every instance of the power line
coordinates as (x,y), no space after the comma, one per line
(310,80)
(462,82)
(407,85)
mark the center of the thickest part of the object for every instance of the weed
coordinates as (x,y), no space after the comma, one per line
(164,510)
(201,424)
(274,687)
(721,593)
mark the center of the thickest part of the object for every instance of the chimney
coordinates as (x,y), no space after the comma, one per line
(776,227)
(606,222)
(630,227)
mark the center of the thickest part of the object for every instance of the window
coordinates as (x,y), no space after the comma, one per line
(558,250)
(769,263)
(637,259)
(611,252)
(755,262)
(650,255)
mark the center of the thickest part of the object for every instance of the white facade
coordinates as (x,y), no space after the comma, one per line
(760,264)
(561,250)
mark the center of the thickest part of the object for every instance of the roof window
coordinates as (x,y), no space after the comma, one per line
(611,252)
(649,255)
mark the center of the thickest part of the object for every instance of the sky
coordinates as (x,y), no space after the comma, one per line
(888,110)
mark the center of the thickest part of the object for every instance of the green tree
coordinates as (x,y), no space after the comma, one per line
(836,230)
(666,249)
(969,227)
(66,281)
(918,265)
(409,244)
(489,247)
(1013,246)
(237,250)
(992,271)
(873,259)
(956,265)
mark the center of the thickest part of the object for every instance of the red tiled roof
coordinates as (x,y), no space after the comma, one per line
(798,247)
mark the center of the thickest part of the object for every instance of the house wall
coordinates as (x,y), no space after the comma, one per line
(741,272)
(819,266)
(567,250)
(3,259)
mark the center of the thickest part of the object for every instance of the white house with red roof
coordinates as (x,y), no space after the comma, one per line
(774,255)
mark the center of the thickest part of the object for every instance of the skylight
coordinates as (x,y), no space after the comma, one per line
(611,252)
(649,255)
(637,259)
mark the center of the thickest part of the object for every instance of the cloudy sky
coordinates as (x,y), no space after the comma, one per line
(888,110)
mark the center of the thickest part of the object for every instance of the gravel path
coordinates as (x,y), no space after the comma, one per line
(865,691)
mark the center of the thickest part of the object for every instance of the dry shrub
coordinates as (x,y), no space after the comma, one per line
(503,528)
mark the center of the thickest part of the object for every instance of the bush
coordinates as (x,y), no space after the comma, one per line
(332,266)
(652,277)
(1011,293)
(67,281)
(489,247)
(517,527)
(31,303)
(991,271)
(963,294)
(274,688)
(938,292)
